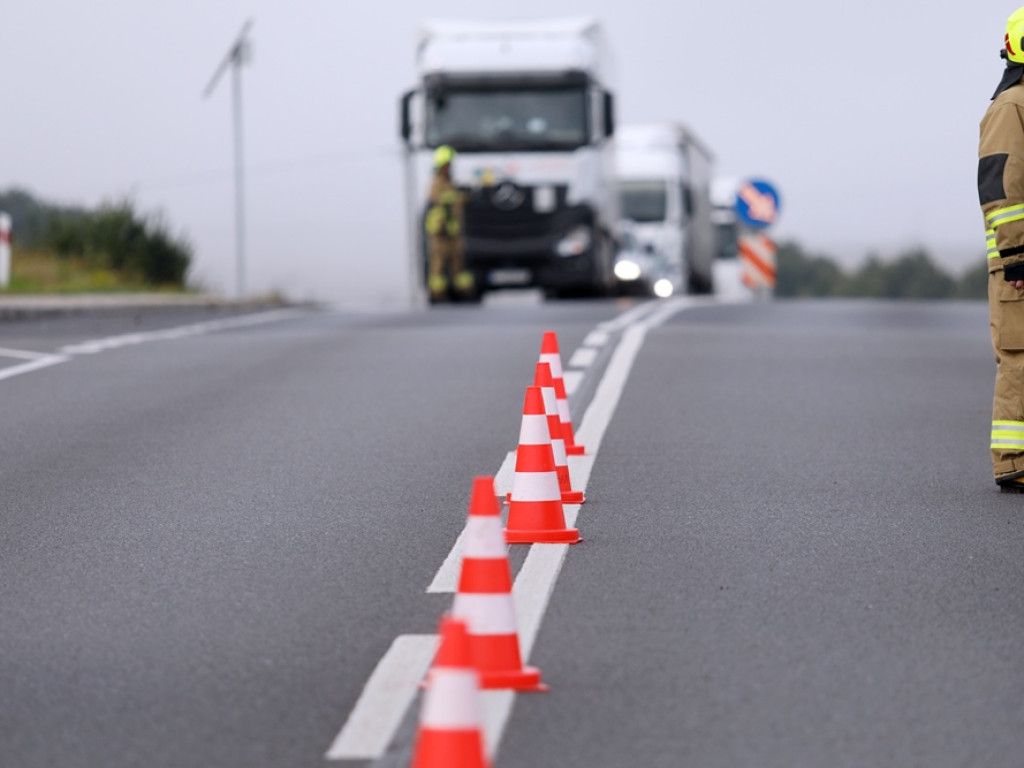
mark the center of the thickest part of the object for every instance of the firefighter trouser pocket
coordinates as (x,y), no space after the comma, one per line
(1008,314)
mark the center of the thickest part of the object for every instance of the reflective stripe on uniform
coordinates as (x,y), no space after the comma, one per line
(990,242)
(437,284)
(434,220)
(1002,216)
(1008,435)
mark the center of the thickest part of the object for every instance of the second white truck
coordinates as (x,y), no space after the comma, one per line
(664,174)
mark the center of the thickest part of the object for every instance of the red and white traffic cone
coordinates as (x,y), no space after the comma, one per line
(450,730)
(549,354)
(543,379)
(484,597)
(535,514)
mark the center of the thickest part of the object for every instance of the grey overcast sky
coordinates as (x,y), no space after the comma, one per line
(865,116)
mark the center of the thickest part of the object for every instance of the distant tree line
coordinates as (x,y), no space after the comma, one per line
(911,275)
(113,236)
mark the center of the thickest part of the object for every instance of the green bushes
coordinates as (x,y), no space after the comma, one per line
(113,238)
(912,275)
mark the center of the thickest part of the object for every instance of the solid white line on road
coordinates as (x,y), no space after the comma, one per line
(381,710)
(397,674)
(40,360)
(44,361)
(596,339)
(21,354)
(630,316)
(608,391)
(447,577)
(178,332)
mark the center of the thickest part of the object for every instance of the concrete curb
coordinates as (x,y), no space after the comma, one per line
(26,306)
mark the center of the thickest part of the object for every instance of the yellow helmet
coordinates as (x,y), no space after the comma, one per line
(1015,37)
(443,155)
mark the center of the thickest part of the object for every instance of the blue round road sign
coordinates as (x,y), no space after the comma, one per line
(757,203)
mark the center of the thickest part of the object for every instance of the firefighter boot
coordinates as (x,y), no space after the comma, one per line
(1011,483)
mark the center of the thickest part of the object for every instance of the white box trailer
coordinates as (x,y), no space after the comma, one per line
(529,109)
(664,174)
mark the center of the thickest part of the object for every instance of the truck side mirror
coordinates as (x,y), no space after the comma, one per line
(609,114)
(406,121)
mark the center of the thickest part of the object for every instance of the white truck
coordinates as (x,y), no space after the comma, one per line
(528,108)
(664,173)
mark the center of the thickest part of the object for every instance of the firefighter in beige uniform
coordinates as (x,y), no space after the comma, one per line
(444,227)
(1001,192)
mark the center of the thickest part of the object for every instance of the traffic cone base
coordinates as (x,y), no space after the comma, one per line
(526,680)
(443,749)
(569,496)
(543,536)
(497,659)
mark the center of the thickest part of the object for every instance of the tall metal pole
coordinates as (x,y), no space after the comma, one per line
(238,55)
(236,78)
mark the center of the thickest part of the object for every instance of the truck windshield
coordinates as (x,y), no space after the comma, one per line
(508,119)
(643,200)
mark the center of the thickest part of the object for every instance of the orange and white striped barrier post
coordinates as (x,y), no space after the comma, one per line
(757,255)
(5,250)
(484,597)
(535,513)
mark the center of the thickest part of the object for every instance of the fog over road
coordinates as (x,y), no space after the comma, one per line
(215,526)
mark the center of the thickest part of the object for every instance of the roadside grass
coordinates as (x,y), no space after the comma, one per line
(36,271)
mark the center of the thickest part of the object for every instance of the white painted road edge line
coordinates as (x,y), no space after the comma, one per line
(44,361)
(41,360)
(398,673)
(380,710)
(21,354)
(178,332)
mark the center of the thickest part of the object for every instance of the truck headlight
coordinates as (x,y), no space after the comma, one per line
(663,288)
(627,270)
(575,242)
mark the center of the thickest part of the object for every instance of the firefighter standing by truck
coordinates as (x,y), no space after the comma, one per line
(444,224)
(1001,193)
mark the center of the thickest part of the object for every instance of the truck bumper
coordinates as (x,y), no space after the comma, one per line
(517,268)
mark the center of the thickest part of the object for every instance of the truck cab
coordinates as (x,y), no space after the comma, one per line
(527,109)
